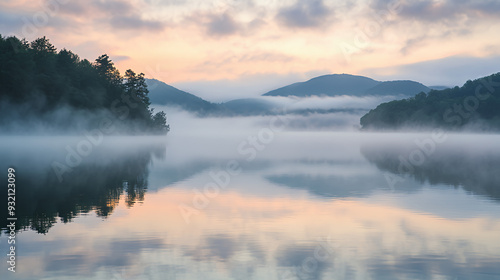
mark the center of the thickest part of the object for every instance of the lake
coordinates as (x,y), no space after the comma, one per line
(250,199)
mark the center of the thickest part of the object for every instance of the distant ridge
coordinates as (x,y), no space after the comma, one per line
(398,88)
(248,106)
(345,84)
(327,85)
(162,94)
(330,85)
(438,87)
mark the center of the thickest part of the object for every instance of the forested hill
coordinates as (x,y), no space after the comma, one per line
(475,105)
(45,90)
(163,94)
(345,84)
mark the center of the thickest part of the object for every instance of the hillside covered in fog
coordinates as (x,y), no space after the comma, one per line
(320,95)
(45,90)
(474,106)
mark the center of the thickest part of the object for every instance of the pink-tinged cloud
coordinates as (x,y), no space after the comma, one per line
(182,41)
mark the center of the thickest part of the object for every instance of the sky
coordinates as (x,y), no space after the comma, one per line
(227,49)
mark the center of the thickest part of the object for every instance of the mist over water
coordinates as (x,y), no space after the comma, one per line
(226,140)
(257,198)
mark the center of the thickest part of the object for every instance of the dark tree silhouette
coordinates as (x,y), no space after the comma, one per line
(37,80)
(135,85)
(475,105)
(107,70)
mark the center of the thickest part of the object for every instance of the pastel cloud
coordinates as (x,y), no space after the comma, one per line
(305,14)
(226,40)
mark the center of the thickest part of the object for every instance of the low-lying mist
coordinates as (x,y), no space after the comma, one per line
(470,161)
(24,119)
(308,113)
(328,102)
(88,171)
(304,113)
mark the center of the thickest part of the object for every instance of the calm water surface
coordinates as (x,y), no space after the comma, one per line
(302,205)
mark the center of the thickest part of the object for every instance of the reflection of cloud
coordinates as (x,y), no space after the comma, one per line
(224,248)
(62,262)
(367,238)
(119,253)
(221,246)
(123,252)
(428,266)
(300,258)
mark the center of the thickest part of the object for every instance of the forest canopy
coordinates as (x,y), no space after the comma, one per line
(51,91)
(474,106)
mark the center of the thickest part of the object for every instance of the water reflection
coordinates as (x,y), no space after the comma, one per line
(311,213)
(471,166)
(336,180)
(96,184)
(245,237)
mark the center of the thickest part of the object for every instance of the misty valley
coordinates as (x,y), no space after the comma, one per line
(111,176)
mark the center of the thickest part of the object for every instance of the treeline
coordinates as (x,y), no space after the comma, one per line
(475,106)
(58,90)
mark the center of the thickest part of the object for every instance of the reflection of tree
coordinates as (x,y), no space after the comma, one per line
(92,186)
(475,172)
(329,185)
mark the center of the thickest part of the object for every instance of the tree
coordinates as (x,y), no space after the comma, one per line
(42,45)
(107,70)
(160,122)
(135,85)
(36,81)
(472,106)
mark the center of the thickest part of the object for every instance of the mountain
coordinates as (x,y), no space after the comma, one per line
(344,84)
(475,105)
(162,94)
(330,85)
(397,88)
(248,106)
(438,87)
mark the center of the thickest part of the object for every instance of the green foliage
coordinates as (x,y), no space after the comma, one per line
(474,105)
(160,122)
(107,70)
(42,46)
(135,85)
(36,79)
